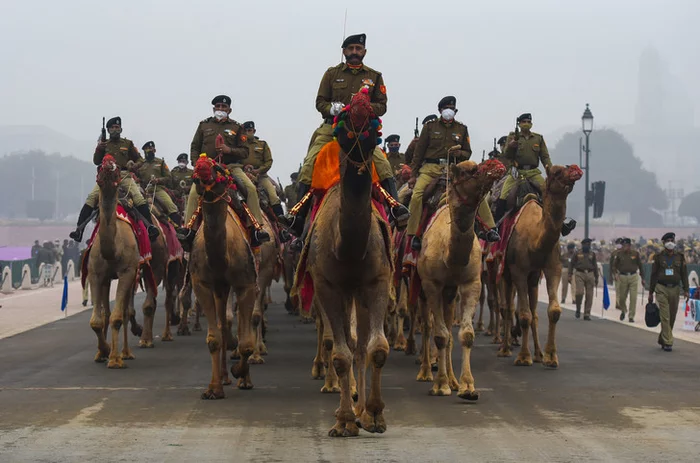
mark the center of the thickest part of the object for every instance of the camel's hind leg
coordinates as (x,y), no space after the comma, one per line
(99,319)
(205,297)
(552,275)
(318,370)
(441,303)
(116,319)
(425,374)
(532,293)
(172,276)
(259,347)
(469,297)
(245,298)
(131,315)
(185,303)
(524,358)
(508,290)
(149,312)
(330,383)
(401,343)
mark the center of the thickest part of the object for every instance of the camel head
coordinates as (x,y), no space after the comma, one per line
(212,179)
(560,180)
(469,181)
(108,174)
(357,128)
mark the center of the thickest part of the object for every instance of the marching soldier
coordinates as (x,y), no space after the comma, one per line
(625,264)
(435,148)
(618,246)
(586,266)
(260,160)
(565,262)
(155,177)
(396,158)
(290,191)
(669,275)
(182,176)
(126,156)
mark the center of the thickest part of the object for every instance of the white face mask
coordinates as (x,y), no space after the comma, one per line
(448,114)
(618,246)
(182,164)
(670,245)
(220,115)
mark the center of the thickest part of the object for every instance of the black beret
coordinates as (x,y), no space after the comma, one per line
(148,144)
(357,39)
(494,153)
(392,138)
(502,140)
(115,120)
(570,246)
(182,156)
(294,175)
(524,116)
(249,125)
(431,117)
(586,241)
(221,99)
(618,240)
(626,241)
(448,100)
(668,236)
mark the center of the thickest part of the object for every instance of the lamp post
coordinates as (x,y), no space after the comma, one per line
(587,126)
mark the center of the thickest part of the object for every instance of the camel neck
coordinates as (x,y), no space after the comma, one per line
(461,242)
(355,212)
(553,214)
(107,232)
(214,229)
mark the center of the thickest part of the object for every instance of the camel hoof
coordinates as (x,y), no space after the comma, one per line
(318,371)
(497,341)
(504,352)
(424,376)
(116,364)
(488,333)
(410,348)
(537,358)
(245,384)
(256,360)
(136,330)
(197,327)
(167,337)
(515,343)
(373,424)
(175,320)
(211,394)
(184,331)
(226,380)
(146,344)
(523,361)
(472,396)
(330,389)
(128,355)
(479,327)
(400,345)
(307,320)
(235,355)
(101,357)
(441,391)
(551,362)
(263,350)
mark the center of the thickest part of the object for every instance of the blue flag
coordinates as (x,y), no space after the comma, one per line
(606,295)
(64,301)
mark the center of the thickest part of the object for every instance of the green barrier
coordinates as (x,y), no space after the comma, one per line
(16,267)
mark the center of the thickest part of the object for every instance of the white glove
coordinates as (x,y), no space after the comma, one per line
(336,107)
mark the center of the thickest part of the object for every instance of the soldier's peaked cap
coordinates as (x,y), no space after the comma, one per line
(448,100)
(225,99)
(115,120)
(148,144)
(618,241)
(586,241)
(392,138)
(182,156)
(525,116)
(431,117)
(249,125)
(294,175)
(502,140)
(357,39)
(668,236)
(570,246)
(626,241)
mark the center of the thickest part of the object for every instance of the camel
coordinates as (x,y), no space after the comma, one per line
(290,259)
(114,254)
(348,256)
(450,264)
(222,261)
(267,271)
(186,307)
(533,250)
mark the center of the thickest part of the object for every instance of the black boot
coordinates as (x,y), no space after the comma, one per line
(568,226)
(146,214)
(77,234)
(400,212)
(175,218)
(279,213)
(500,209)
(492,235)
(296,222)
(258,237)
(579,300)
(186,236)
(416,243)
(298,244)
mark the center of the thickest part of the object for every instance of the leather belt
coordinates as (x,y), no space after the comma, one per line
(585,271)
(438,161)
(628,273)
(668,285)
(527,167)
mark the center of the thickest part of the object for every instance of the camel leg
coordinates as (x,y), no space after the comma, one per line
(170,296)
(524,358)
(205,297)
(185,302)
(98,319)
(126,352)
(257,321)
(552,275)
(361,363)
(497,302)
(482,300)
(412,322)
(439,299)
(149,312)
(532,299)
(197,314)
(221,293)
(318,370)
(469,293)
(246,338)
(425,374)
(505,350)
(116,319)
(331,383)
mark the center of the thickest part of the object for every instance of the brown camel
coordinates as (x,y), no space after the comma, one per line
(450,263)
(267,271)
(290,259)
(349,259)
(533,249)
(114,254)
(222,261)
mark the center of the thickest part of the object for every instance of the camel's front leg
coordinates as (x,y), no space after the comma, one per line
(331,379)
(246,338)
(126,352)
(437,298)
(553,277)
(99,320)
(318,370)
(205,298)
(508,289)
(185,303)
(149,312)
(425,374)
(170,297)
(524,358)
(467,389)
(116,319)
(221,294)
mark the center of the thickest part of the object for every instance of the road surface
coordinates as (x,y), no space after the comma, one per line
(616,397)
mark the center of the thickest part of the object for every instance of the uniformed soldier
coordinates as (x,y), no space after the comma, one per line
(618,246)
(439,140)
(408,157)
(290,191)
(182,176)
(395,157)
(126,156)
(669,275)
(155,177)
(625,265)
(231,153)
(565,262)
(525,154)
(586,266)
(260,160)
(337,87)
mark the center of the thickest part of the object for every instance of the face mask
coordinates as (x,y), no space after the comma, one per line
(670,245)
(525,125)
(394,149)
(618,246)
(114,133)
(220,115)
(182,164)
(585,248)
(150,155)
(448,114)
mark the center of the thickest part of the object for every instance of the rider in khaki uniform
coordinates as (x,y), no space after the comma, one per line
(625,265)
(396,158)
(290,191)
(669,275)
(126,156)
(182,176)
(260,159)
(154,175)
(439,140)
(586,266)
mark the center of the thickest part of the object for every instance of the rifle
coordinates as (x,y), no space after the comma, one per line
(416,133)
(494,144)
(483,154)
(516,137)
(103,134)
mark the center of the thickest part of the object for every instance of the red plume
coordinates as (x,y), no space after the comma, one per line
(492,168)
(360,110)
(203,169)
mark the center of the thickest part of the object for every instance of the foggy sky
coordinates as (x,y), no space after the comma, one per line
(158,63)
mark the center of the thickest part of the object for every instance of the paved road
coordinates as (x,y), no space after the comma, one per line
(616,397)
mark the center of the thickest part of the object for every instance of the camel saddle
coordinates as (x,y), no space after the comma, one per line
(524,191)
(432,197)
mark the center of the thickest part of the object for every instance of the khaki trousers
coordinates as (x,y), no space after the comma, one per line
(667,300)
(164,200)
(585,281)
(533,174)
(127,182)
(627,285)
(267,185)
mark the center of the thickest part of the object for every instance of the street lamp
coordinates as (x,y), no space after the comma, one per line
(587,126)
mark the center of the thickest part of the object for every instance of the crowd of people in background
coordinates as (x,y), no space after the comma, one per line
(690,247)
(53,253)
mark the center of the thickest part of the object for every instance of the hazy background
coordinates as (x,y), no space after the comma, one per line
(158,63)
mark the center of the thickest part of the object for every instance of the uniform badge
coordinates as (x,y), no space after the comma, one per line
(229,132)
(383,89)
(368,82)
(340,80)
(457,136)
(244,138)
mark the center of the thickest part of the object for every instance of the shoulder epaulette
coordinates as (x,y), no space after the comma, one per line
(208,119)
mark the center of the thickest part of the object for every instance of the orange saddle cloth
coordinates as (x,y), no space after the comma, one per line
(327,167)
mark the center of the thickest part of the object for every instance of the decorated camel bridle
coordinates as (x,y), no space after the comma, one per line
(208,174)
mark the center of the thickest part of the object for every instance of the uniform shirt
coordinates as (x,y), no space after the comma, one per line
(122,149)
(530,151)
(179,174)
(627,262)
(395,160)
(259,155)
(341,82)
(584,261)
(154,168)
(290,193)
(566,259)
(204,140)
(408,157)
(439,136)
(669,268)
